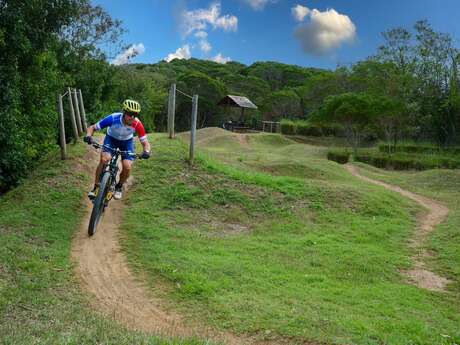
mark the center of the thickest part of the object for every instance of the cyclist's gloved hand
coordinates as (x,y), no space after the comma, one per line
(145,155)
(88,139)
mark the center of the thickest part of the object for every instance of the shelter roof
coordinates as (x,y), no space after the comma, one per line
(237,101)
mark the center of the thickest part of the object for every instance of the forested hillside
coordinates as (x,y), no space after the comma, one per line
(409,89)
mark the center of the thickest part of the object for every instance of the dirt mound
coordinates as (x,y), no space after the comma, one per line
(205,133)
(214,136)
(104,273)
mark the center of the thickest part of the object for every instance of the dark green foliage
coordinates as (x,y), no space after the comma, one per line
(406,161)
(279,75)
(355,111)
(339,156)
(40,54)
(311,129)
(282,104)
(414,148)
(210,92)
(288,127)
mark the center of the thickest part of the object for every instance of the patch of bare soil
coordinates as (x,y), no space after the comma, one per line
(104,274)
(208,134)
(243,139)
(435,213)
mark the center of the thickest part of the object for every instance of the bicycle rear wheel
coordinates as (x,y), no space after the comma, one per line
(99,203)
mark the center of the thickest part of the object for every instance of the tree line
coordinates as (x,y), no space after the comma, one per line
(409,89)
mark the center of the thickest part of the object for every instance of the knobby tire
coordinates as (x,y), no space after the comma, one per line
(99,203)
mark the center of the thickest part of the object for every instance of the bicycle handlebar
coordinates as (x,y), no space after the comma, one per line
(98,146)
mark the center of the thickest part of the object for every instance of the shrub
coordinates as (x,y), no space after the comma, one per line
(407,161)
(308,129)
(339,156)
(418,148)
(288,127)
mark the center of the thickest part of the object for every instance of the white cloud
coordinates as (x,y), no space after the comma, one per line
(259,4)
(201,34)
(325,31)
(221,59)
(199,20)
(181,53)
(205,46)
(131,52)
(300,12)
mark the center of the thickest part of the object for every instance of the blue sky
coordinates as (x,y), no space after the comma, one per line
(313,33)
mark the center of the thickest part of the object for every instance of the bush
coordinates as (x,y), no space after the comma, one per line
(288,127)
(339,156)
(405,161)
(333,130)
(306,128)
(417,148)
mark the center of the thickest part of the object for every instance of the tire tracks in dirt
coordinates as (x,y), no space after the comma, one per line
(435,214)
(103,272)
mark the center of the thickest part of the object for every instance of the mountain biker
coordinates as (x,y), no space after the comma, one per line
(121,129)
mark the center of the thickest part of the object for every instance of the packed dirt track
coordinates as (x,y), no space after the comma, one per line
(435,214)
(113,290)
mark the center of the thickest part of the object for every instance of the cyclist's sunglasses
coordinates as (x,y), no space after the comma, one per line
(131,114)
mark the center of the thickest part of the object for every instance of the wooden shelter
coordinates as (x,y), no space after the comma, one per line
(237,102)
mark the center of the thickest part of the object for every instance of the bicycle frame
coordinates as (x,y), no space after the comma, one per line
(107,180)
(112,167)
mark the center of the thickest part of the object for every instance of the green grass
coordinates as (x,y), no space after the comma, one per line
(444,186)
(40,300)
(272,239)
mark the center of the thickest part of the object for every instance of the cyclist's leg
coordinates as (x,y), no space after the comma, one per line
(126,170)
(127,160)
(105,157)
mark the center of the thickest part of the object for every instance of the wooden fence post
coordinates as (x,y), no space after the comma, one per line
(83,112)
(171,110)
(61,128)
(77,111)
(193,128)
(72,117)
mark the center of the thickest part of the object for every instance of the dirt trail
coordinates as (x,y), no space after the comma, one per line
(436,213)
(103,272)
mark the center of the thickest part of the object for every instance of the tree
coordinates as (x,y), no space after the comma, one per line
(90,28)
(284,104)
(355,111)
(210,92)
(32,72)
(430,59)
(389,118)
(317,88)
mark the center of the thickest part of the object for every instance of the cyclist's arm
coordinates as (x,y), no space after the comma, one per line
(90,131)
(105,122)
(146,145)
(139,128)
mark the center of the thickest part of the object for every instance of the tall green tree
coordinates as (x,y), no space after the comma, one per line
(284,104)
(32,72)
(355,111)
(210,92)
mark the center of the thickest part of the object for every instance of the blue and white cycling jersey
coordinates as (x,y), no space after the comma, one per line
(120,131)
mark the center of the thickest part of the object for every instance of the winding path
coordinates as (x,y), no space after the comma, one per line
(104,273)
(434,215)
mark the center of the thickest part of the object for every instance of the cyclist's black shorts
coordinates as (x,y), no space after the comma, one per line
(123,145)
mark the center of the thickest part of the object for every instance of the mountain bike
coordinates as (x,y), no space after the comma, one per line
(107,182)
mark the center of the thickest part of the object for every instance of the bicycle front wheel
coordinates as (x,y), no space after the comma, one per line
(99,203)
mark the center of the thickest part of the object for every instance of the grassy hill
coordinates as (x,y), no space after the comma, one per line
(265,236)
(40,299)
